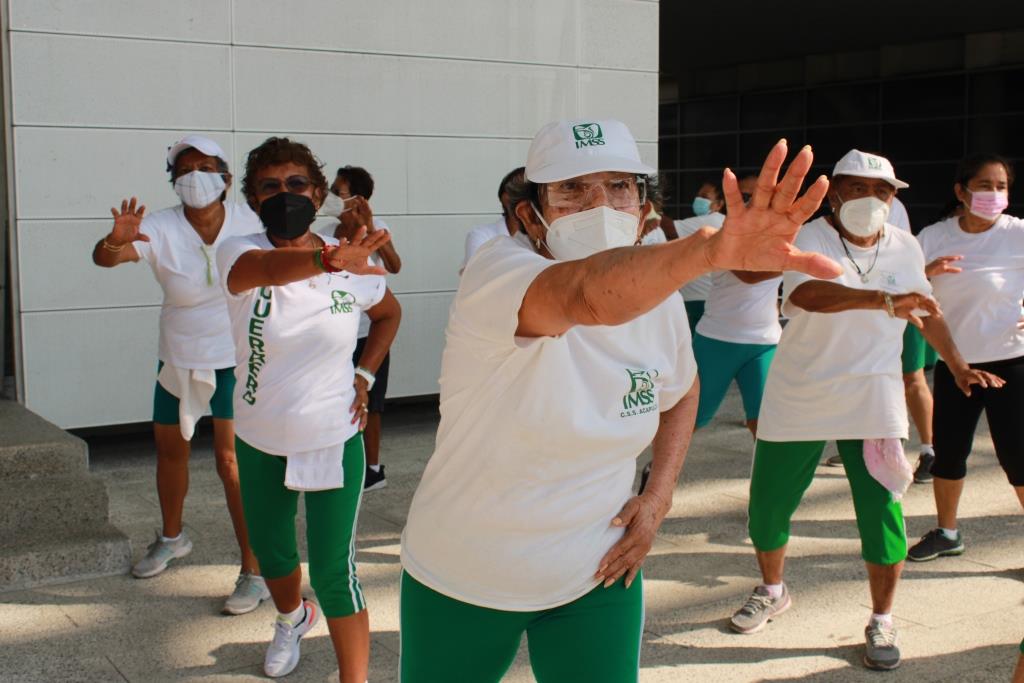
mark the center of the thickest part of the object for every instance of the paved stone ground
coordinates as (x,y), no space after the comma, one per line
(960,618)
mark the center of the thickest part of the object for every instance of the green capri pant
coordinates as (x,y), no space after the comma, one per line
(917,353)
(595,638)
(331,518)
(165,404)
(783,471)
(719,362)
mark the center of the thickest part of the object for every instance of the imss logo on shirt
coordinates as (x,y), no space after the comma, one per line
(587,135)
(342,301)
(640,398)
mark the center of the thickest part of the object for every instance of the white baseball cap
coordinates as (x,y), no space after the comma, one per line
(567,149)
(203,144)
(864,165)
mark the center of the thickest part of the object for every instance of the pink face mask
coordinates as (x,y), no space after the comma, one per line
(989,204)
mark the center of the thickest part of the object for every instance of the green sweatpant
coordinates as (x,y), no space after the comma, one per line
(595,638)
(331,518)
(783,471)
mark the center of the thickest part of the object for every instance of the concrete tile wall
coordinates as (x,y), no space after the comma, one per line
(438,98)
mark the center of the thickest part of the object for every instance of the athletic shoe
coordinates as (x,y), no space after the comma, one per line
(250,591)
(835,461)
(645,474)
(283,653)
(882,651)
(759,609)
(374,480)
(923,471)
(159,554)
(935,544)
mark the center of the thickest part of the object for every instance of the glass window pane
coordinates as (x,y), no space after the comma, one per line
(1003,135)
(708,151)
(668,119)
(772,110)
(708,116)
(998,91)
(830,144)
(923,97)
(843,104)
(754,147)
(923,141)
(668,153)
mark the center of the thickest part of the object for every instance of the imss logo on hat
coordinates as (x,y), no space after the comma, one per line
(587,134)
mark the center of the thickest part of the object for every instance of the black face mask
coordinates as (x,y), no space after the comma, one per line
(286,215)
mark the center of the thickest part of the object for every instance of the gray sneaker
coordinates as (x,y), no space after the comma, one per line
(759,609)
(882,651)
(935,544)
(159,554)
(923,471)
(250,591)
(835,461)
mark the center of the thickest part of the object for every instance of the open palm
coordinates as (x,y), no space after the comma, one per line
(759,236)
(354,256)
(127,222)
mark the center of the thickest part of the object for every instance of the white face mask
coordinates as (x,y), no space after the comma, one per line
(333,205)
(864,216)
(199,189)
(585,233)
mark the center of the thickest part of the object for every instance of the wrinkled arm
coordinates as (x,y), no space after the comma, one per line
(611,287)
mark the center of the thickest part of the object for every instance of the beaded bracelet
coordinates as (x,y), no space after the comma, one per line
(889,307)
(322,263)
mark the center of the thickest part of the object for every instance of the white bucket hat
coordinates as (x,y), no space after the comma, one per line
(567,149)
(203,144)
(864,165)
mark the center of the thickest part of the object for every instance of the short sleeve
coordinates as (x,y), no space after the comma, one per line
(485,312)
(227,254)
(674,387)
(372,291)
(474,240)
(806,240)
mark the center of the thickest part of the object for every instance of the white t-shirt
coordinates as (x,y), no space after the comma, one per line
(194,329)
(294,346)
(898,215)
(982,304)
(838,375)
(537,446)
(375,259)
(481,235)
(741,313)
(697,289)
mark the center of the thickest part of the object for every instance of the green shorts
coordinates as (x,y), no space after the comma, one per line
(331,518)
(917,353)
(719,363)
(595,638)
(783,471)
(165,404)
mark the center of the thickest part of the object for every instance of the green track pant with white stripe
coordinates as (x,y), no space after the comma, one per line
(331,518)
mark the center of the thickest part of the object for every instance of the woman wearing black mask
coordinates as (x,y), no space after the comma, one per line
(294,298)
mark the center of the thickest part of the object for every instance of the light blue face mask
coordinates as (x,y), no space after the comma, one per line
(701,206)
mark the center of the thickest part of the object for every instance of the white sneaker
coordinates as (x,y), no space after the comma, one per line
(159,554)
(250,591)
(283,653)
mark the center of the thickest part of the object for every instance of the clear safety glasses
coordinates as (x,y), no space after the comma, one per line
(621,193)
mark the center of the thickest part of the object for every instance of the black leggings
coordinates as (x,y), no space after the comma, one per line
(956,417)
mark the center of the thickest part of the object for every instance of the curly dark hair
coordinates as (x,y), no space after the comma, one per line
(274,151)
(359,180)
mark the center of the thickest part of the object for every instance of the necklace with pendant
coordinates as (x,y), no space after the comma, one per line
(863,273)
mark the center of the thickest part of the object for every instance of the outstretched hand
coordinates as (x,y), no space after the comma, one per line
(127,222)
(353,255)
(759,236)
(943,265)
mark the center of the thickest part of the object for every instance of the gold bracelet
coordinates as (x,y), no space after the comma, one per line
(110,247)
(889,308)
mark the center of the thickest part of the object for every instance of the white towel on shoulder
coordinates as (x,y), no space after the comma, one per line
(194,389)
(318,470)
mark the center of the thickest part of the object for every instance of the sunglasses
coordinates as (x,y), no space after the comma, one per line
(295,184)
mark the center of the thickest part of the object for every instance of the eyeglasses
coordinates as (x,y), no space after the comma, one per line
(296,184)
(621,193)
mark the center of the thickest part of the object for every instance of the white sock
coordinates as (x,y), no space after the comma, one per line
(375,468)
(774,590)
(948,533)
(926,449)
(295,617)
(882,619)
(168,539)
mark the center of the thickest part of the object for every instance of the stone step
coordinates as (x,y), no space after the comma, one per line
(61,557)
(31,447)
(43,505)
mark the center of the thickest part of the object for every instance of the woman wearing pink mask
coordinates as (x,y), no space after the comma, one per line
(976,264)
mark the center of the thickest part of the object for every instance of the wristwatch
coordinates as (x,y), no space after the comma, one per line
(367,375)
